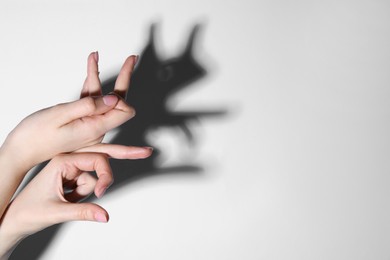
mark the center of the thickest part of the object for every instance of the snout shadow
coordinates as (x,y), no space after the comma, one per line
(153,82)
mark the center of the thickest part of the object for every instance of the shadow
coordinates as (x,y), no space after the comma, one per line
(153,82)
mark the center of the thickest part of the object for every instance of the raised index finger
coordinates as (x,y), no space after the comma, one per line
(123,81)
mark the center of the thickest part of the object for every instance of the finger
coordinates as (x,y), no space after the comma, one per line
(92,85)
(88,162)
(84,186)
(105,177)
(123,80)
(88,106)
(84,91)
(119,151)
(117,116)
(81,212)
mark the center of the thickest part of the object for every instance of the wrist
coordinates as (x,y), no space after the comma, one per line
(10,237)
(13,160)
(8,242)
(12,172)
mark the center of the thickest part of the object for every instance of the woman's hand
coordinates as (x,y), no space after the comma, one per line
(50,198)
(71,126)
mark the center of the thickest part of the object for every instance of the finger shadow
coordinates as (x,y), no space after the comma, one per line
(154,81)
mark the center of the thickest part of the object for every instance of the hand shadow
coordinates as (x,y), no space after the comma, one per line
(153,82)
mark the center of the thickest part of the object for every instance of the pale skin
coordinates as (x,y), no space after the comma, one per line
(76,128)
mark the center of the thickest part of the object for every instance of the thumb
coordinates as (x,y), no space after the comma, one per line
(88,106)
(82,212)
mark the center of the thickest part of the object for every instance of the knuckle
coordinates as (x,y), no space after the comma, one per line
(111,182)
(102,157)
(131,111)
(61,162)
(83,179)
(58,158)
(85,213)
(89,103)
(126,108)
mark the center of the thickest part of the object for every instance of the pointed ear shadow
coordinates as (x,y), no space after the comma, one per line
(153,82)
(188,51)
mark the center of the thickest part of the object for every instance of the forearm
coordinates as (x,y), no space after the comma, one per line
(8,243)
(12,173)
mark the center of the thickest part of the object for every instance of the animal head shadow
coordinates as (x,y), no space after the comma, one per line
(153,82)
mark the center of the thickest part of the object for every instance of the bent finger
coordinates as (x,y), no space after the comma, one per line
(89,162)
(117,116)
(85,185)
(88,106)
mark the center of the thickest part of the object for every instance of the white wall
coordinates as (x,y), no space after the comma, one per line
(299,169)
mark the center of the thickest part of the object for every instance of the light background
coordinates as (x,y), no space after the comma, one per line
(299,169)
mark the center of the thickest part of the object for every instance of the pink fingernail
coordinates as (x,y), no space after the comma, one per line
(136,59)
(110,100)
(100,217)
(96,56)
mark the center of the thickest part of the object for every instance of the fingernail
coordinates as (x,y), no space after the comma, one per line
(136,62)
(102,192)
(96,56)
(100,217)
(110,100)
(149,148)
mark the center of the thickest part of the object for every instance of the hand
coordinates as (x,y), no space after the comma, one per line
(92,86)
(71,126)
(44,202)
